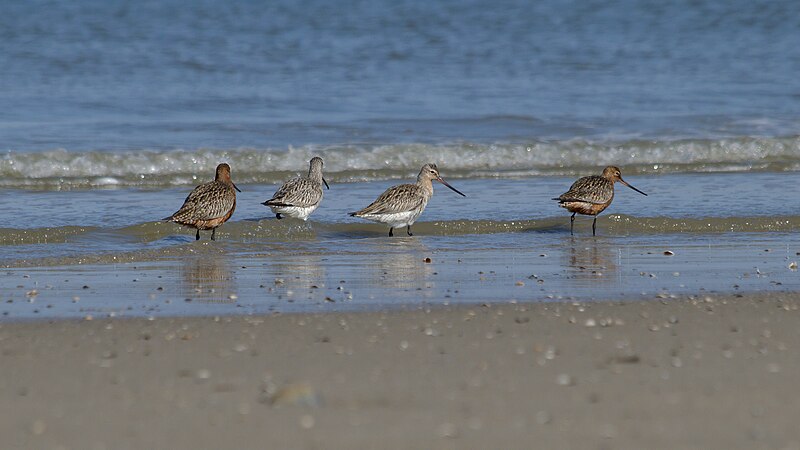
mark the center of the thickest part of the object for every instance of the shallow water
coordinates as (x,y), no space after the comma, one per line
(381,273)
(45,227)
(725,236)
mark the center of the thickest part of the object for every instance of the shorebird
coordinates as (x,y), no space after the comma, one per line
(210,204)
(591,195)
(403,204)
(299,197)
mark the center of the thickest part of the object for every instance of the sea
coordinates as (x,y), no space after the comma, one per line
(112,111)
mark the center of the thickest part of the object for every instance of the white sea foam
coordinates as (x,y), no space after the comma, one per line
(362,162)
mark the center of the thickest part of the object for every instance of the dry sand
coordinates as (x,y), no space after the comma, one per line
(702,373)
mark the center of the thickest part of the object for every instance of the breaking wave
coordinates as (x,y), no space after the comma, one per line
(61,169)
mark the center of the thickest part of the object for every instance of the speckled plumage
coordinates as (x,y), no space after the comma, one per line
(593,189)
(400,199)
(591,195)
(208,205)
(299,197)
(403,204)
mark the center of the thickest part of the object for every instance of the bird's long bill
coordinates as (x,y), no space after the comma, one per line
(326,184)
(441,180)
(626,184)
(234,186)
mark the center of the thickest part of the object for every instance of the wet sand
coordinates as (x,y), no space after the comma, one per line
(677,373)
(338,273)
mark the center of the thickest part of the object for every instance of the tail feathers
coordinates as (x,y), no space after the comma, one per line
(353,214)
(168,218)
(273,202)
(571,199)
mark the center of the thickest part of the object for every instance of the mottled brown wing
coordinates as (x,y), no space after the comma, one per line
(207,201)
(593,189)
(298,192)
(396,199)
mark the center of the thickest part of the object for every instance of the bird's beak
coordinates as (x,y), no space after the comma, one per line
(441,180)
(234,186)
(626,184)
(326,184)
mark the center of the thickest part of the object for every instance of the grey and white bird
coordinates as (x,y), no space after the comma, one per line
(299,197)
(401,206)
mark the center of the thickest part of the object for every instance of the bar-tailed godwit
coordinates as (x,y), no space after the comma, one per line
(210,204)
(591,195)
(403,204)
(299,197)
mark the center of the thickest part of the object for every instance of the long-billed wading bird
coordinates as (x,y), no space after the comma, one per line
(403,204)
(591,195)
(299,197)
(208,205)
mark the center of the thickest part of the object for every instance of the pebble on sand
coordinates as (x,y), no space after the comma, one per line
(564,379)
(295,394)
(307,421)
(38,427)
(543,417)
(447,430)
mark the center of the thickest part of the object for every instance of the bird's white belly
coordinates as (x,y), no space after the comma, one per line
(297,212)
(396,220)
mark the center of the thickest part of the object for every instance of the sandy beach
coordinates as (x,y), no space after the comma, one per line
(696,372)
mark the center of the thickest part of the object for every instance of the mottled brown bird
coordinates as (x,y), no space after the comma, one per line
(210,204)
(299,197)
(591,195)
(403,204)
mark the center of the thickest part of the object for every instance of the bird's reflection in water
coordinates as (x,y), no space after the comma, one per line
(401,264)
(592,260)
(299,276)
(208,280)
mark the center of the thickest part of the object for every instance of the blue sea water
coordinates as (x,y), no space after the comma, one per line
(90,75)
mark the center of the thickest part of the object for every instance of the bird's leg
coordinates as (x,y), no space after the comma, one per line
(571,223)
(391,233)
(408,230)
(278,216)
(594,225)
(213,230)
(197,236)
